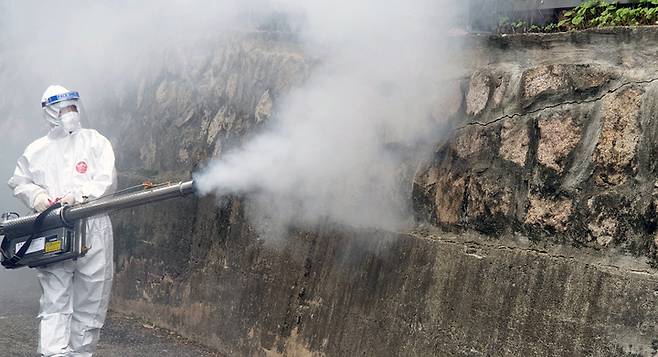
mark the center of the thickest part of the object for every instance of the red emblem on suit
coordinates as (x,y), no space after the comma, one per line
(81,167)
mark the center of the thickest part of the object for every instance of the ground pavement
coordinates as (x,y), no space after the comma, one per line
(121,336)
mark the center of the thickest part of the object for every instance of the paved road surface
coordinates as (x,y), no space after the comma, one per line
(121,336)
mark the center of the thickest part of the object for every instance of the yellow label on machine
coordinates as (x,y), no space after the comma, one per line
(53,246)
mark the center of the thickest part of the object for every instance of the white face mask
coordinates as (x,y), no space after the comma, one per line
(70,121)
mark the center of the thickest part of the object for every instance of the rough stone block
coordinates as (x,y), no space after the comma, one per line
(617,146)
(264,107)
(549,213)
(558,80)
(585,77)
(613,216)
(603,229)
(469,142)
(479,90)
(544,81)
(501,83)
(487,197)
(215,125)
(514,141)
(449,198)
(558,136)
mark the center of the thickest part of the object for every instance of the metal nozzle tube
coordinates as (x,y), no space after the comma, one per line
(128,200)
(68,215)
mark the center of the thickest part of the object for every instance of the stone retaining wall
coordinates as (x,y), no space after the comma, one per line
(536,219)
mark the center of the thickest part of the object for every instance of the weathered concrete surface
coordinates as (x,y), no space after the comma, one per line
(547,187)
(384,294)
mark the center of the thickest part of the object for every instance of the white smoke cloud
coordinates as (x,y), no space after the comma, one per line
(334,149)
(334,146)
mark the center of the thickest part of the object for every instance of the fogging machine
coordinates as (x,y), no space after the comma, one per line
(58,233)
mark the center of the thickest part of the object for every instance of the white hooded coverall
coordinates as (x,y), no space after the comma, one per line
(75,293)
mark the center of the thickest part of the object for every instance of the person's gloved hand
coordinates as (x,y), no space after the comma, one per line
(41,202)
(67,199)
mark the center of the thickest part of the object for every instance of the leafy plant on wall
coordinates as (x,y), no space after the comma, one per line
(592,14)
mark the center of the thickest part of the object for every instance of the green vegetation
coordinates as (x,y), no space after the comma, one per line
(591,14)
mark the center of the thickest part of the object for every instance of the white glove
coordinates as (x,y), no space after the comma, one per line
(68,199)
(42,201)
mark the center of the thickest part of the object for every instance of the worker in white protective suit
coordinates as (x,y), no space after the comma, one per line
(70,165)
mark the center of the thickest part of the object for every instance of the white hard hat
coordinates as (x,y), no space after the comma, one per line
(52,91)
(55,99)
